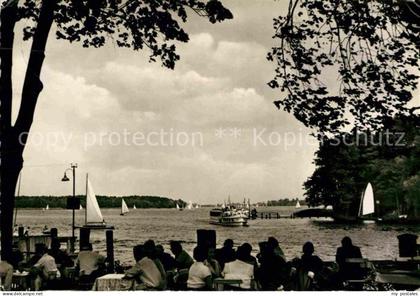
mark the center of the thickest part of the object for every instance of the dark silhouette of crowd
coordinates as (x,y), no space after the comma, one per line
(237,269)
(227,268)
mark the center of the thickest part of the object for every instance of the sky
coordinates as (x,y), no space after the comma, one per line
(201,132)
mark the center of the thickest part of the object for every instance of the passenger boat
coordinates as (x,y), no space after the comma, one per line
(229,216)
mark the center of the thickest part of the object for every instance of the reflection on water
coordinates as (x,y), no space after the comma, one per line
(163,225)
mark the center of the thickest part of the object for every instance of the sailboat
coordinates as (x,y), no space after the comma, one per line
(47,207)
(196,206)
(190,205)
(134,207)
(297,204)
(93,215)
(81,207)
(124,208)
(367,203)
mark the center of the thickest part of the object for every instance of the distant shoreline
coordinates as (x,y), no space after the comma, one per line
(40,202)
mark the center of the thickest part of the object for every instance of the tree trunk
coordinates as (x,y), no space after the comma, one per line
(11,165)
(13,139)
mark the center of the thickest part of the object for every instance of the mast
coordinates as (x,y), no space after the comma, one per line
(361,203)
(86,197)
(18,194)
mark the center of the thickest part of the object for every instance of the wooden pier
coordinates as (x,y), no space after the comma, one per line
(273,215)
(305,213)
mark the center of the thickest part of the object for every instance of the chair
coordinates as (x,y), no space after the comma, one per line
(365,270)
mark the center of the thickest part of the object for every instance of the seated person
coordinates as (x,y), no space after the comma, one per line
(199,275)
(17,257)
(273,271)
(308,268)
(212,263)
(167,260)
(90,264)
(311,262)
(348,270)
(182,259)
(226,253)
(145,271)
(39,248)
(274,243)
(46,269)
(61,257)
(6,275)
(151,253)
(240,269)
(248,258)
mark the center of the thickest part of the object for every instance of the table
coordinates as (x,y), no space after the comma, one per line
(219,283)
(20,281)
(112,282)
(397,277)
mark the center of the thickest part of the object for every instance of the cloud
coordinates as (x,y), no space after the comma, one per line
(220,81)
(237,106)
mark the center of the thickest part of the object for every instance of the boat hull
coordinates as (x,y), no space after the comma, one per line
(228,217)
(237,223)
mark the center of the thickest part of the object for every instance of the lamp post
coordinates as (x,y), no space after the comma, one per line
(73,167)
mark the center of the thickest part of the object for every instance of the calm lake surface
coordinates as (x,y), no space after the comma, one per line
(164,225)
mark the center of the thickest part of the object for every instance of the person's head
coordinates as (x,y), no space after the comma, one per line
(247,248)
(262,246)
(346,242)
(40,249)
(211,253)
(150,248)
(242,253)
(159,250)
(308,248)
(176,247)
(273,242)
(200,254)
(138,252)
(228,243)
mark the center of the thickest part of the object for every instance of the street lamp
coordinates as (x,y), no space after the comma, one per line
(73,167)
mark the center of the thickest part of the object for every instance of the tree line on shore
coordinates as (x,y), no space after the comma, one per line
(286,202)
(388,159)
(103,201)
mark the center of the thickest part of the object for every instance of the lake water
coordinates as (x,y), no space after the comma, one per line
(163,225)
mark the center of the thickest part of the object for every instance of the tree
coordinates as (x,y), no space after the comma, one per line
(371,46)
(137,24)
(388,159)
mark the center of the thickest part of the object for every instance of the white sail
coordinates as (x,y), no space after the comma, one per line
(196,206)
(81,207)
(134,207)
(177,206)
(367,203)
(190,205)
(124,208)
(47,207)
(297,205)
(93,212)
